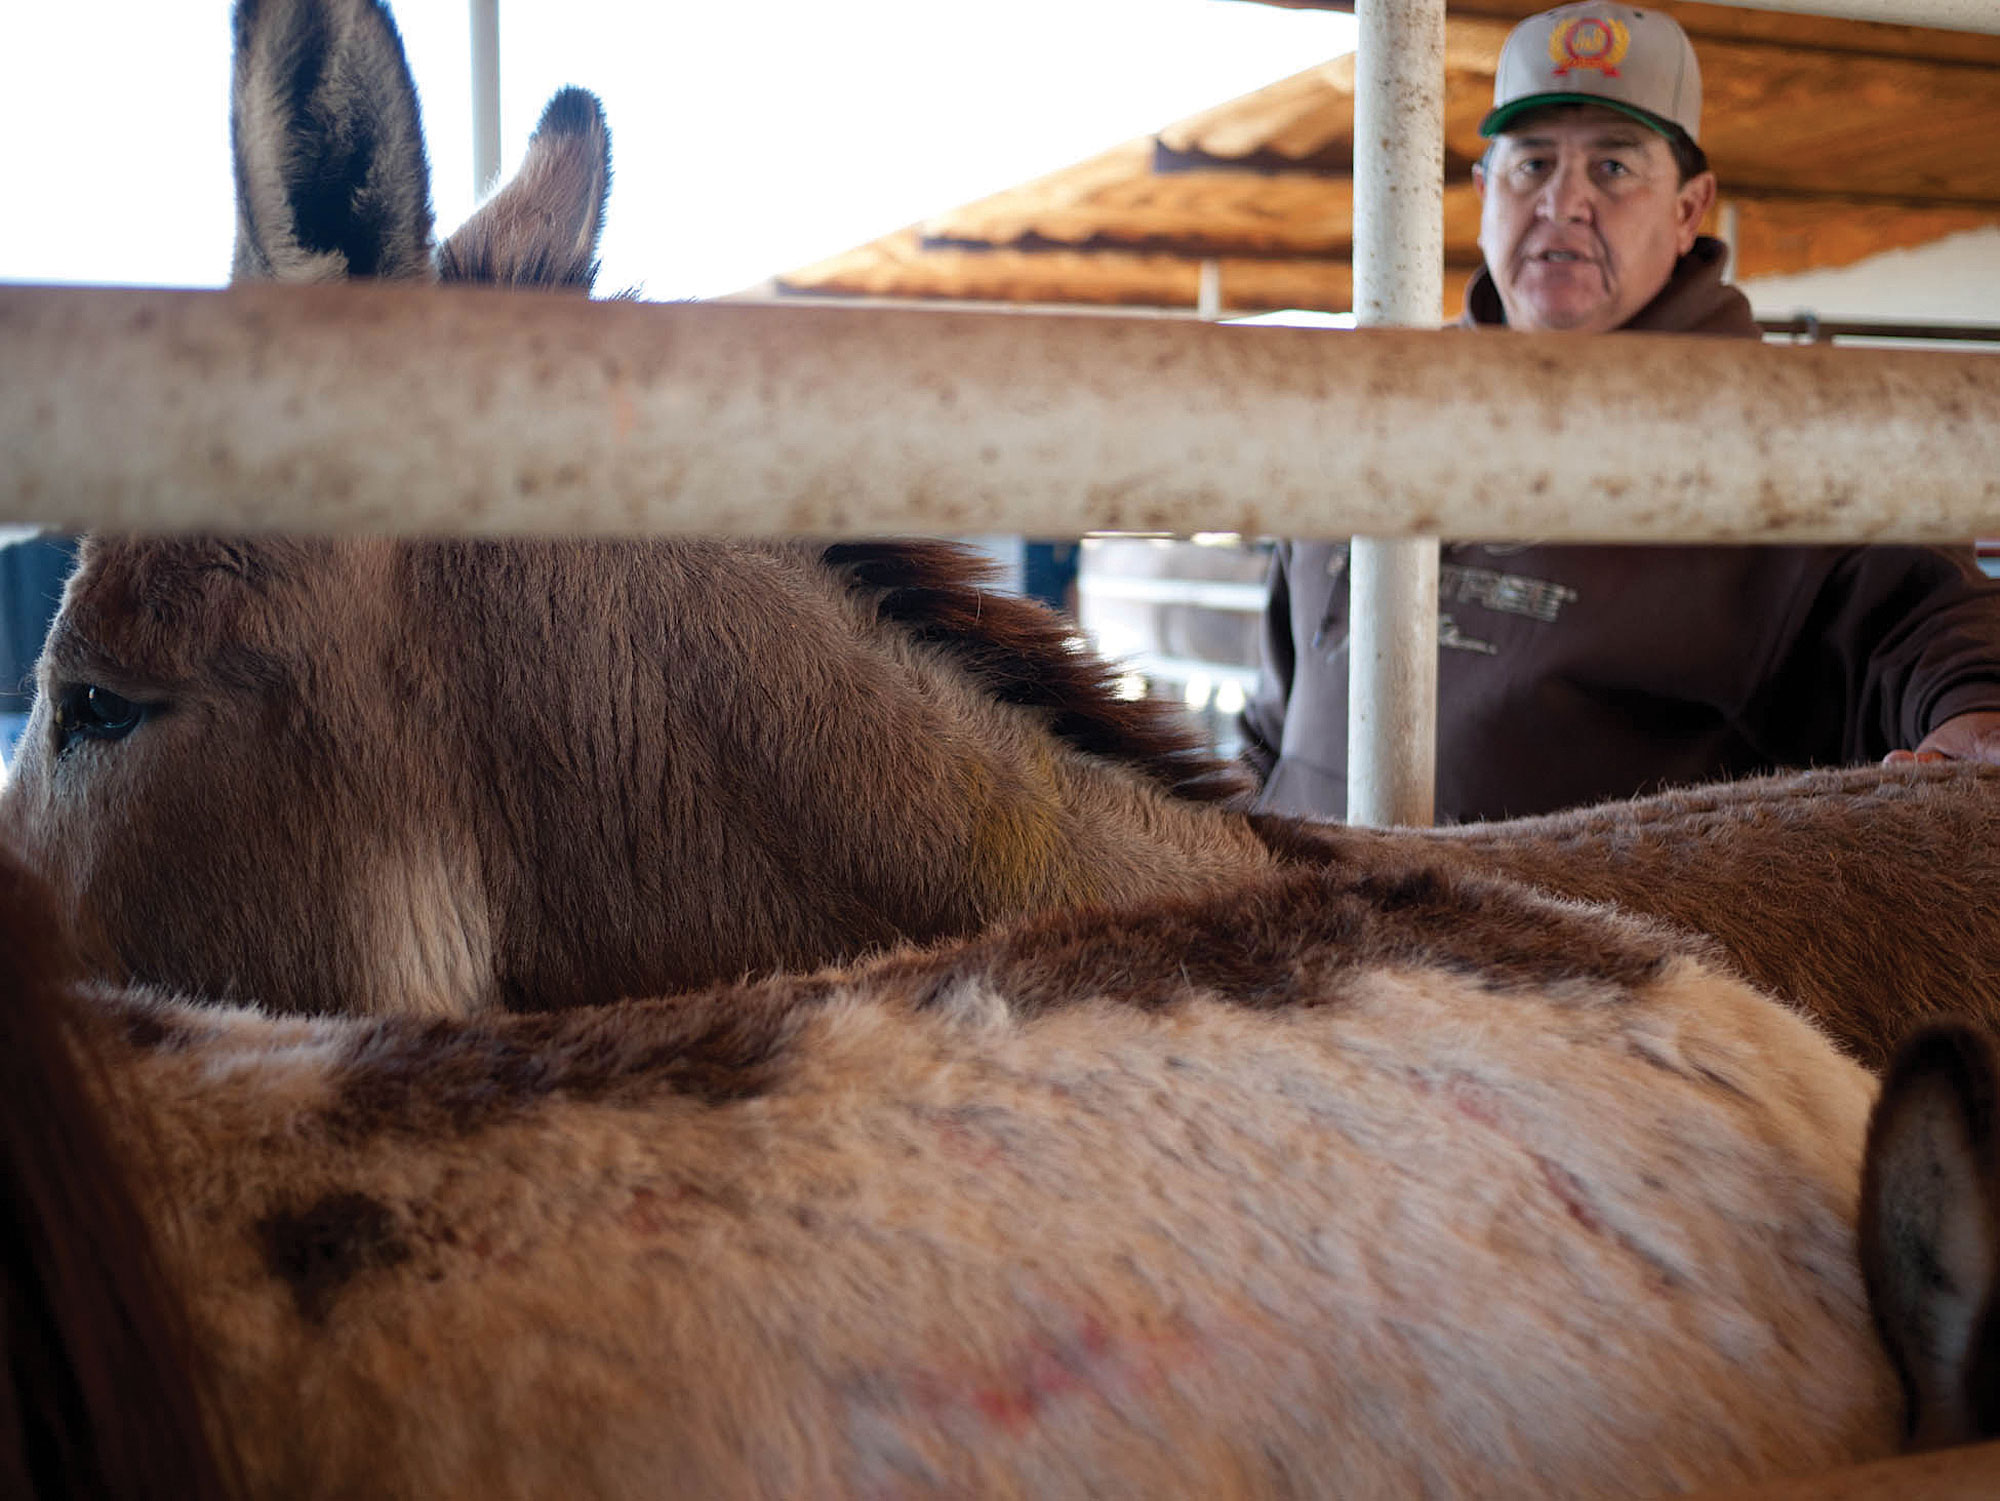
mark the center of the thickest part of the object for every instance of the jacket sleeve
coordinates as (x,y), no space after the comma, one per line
(1263,717)
(1902,638)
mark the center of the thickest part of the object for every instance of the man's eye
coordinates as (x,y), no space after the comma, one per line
(85,711)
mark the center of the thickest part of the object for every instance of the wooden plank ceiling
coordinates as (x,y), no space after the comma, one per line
(1834,141)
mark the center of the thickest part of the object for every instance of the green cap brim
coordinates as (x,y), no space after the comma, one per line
(1498,121)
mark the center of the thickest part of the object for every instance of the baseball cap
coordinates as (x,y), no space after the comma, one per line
(1638,62)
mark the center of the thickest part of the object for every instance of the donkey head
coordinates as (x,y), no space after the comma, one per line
(261,665)
(1930,1231)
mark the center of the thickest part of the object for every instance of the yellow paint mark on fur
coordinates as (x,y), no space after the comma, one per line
(1019,859)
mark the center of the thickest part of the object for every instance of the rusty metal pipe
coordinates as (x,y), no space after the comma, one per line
(397,409)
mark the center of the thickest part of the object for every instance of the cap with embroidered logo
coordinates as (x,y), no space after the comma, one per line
(1638,62)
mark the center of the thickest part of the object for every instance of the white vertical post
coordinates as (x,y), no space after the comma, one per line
(1208,290)
(1398,279)
(485,96)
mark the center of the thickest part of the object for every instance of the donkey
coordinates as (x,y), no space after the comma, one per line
(1334,1184)
(446,777)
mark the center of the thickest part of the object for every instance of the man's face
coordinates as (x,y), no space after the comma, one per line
(1582,216)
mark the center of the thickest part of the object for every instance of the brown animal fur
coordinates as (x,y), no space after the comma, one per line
(544,774)
(1343,1209)
(441,777)
(1864,896)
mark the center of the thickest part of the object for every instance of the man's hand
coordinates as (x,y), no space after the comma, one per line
(1968,737)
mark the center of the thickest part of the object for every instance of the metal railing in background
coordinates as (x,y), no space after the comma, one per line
(485,96)
(1946,15)
(1809,328)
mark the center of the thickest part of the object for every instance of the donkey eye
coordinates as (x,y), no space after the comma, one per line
(85,711)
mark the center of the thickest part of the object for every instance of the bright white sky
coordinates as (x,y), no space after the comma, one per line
(747,138)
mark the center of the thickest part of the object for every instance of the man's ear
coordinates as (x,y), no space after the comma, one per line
(1479,179)
(1697,197)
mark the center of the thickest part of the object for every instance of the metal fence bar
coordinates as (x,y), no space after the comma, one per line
(415,409)
(1398,281)
(1946,15)
(485,96)
(1810,327)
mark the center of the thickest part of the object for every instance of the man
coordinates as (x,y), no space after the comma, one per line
(1574,674)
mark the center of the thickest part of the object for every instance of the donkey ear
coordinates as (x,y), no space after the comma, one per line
(1930,1231)
(331,179)
(541,230)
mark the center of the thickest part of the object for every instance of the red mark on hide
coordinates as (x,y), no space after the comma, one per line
(1465,1094)
(1087,1363)
(963,1145)
(667,1210)
(1484,1106)
(644,1216)
(1570,1192)
(1473,1100)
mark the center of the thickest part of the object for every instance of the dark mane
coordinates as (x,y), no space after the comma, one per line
(942,594)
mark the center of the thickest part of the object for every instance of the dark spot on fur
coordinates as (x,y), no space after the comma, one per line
(147,1032)
(318,1250)
(450,1079)
(1300,841)
(1021,653)
(1404,891)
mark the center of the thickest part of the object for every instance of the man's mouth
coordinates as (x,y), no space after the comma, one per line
(1560,257)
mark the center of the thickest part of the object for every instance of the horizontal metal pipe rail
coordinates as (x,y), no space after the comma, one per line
(395,409)
(1946,15)
(1811,328)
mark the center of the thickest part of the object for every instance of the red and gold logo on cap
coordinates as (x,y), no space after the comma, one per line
(1593,42)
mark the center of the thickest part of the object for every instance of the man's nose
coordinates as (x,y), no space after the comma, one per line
(1566,196)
